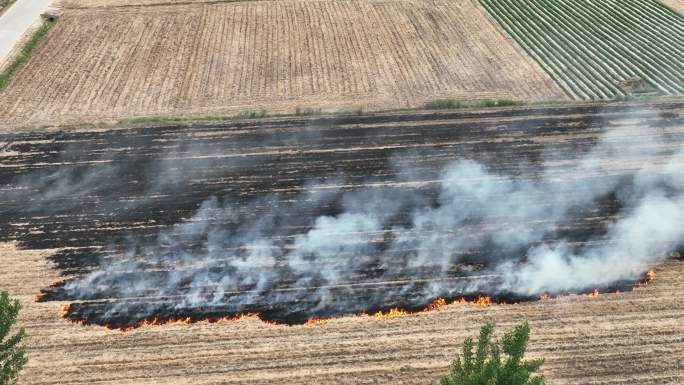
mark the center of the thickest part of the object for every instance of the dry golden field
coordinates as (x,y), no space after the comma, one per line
(629,338)
(124,3)
(677,5)
(222,58)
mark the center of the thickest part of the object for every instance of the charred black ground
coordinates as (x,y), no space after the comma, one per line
(91,193)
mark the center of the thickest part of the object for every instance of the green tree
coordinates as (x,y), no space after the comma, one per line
(485,365)
(12,353)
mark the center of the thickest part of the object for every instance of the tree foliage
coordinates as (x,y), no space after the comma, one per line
(485,365)
(12,352)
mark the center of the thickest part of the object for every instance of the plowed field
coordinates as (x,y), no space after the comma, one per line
(221,58)
(632,337)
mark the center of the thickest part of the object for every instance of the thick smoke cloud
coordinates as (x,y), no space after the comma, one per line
(504,233)
(537,227)
(652,226)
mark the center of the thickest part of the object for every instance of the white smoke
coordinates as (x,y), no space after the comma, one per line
(511,226)
(652,226)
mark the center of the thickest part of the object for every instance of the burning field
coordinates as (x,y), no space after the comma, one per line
(383,237)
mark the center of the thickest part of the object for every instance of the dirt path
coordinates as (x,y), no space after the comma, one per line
(17,20)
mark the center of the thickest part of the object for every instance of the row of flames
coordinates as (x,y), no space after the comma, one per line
(481,301)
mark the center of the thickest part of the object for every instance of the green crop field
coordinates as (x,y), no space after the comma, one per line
(600,49)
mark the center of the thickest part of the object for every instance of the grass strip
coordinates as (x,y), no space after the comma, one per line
(449,104)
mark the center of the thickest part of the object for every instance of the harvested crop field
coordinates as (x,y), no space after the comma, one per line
(223,58)
(677,5)
(600,50)
(93,193)
(585,341)
(127,3)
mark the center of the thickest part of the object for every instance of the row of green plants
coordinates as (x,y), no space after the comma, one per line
(487,362)
(536,49)
(631,41)
(447,104)
(588,47)
(437,104)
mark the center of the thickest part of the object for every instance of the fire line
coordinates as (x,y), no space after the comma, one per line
(479,301)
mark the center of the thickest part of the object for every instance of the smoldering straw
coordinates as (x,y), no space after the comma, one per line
(310,261)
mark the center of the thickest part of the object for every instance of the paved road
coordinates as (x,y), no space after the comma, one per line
(16,20)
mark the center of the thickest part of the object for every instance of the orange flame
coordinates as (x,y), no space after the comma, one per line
(394,312)
(185,321)
(317,321)
(439,302)
(64,312)
(482,301)
(650,276)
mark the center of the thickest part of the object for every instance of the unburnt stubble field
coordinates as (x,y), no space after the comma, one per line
(199,59)
(633,337)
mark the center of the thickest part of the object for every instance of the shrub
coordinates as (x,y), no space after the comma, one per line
(497,103)
(251,114)
(308,111)
(12,354)
(443,104)
(486,367)
(450,104)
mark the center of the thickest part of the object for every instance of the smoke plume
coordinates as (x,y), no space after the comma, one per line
(473,230)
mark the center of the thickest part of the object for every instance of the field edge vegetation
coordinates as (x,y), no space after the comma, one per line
(24,54)
(303,112)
